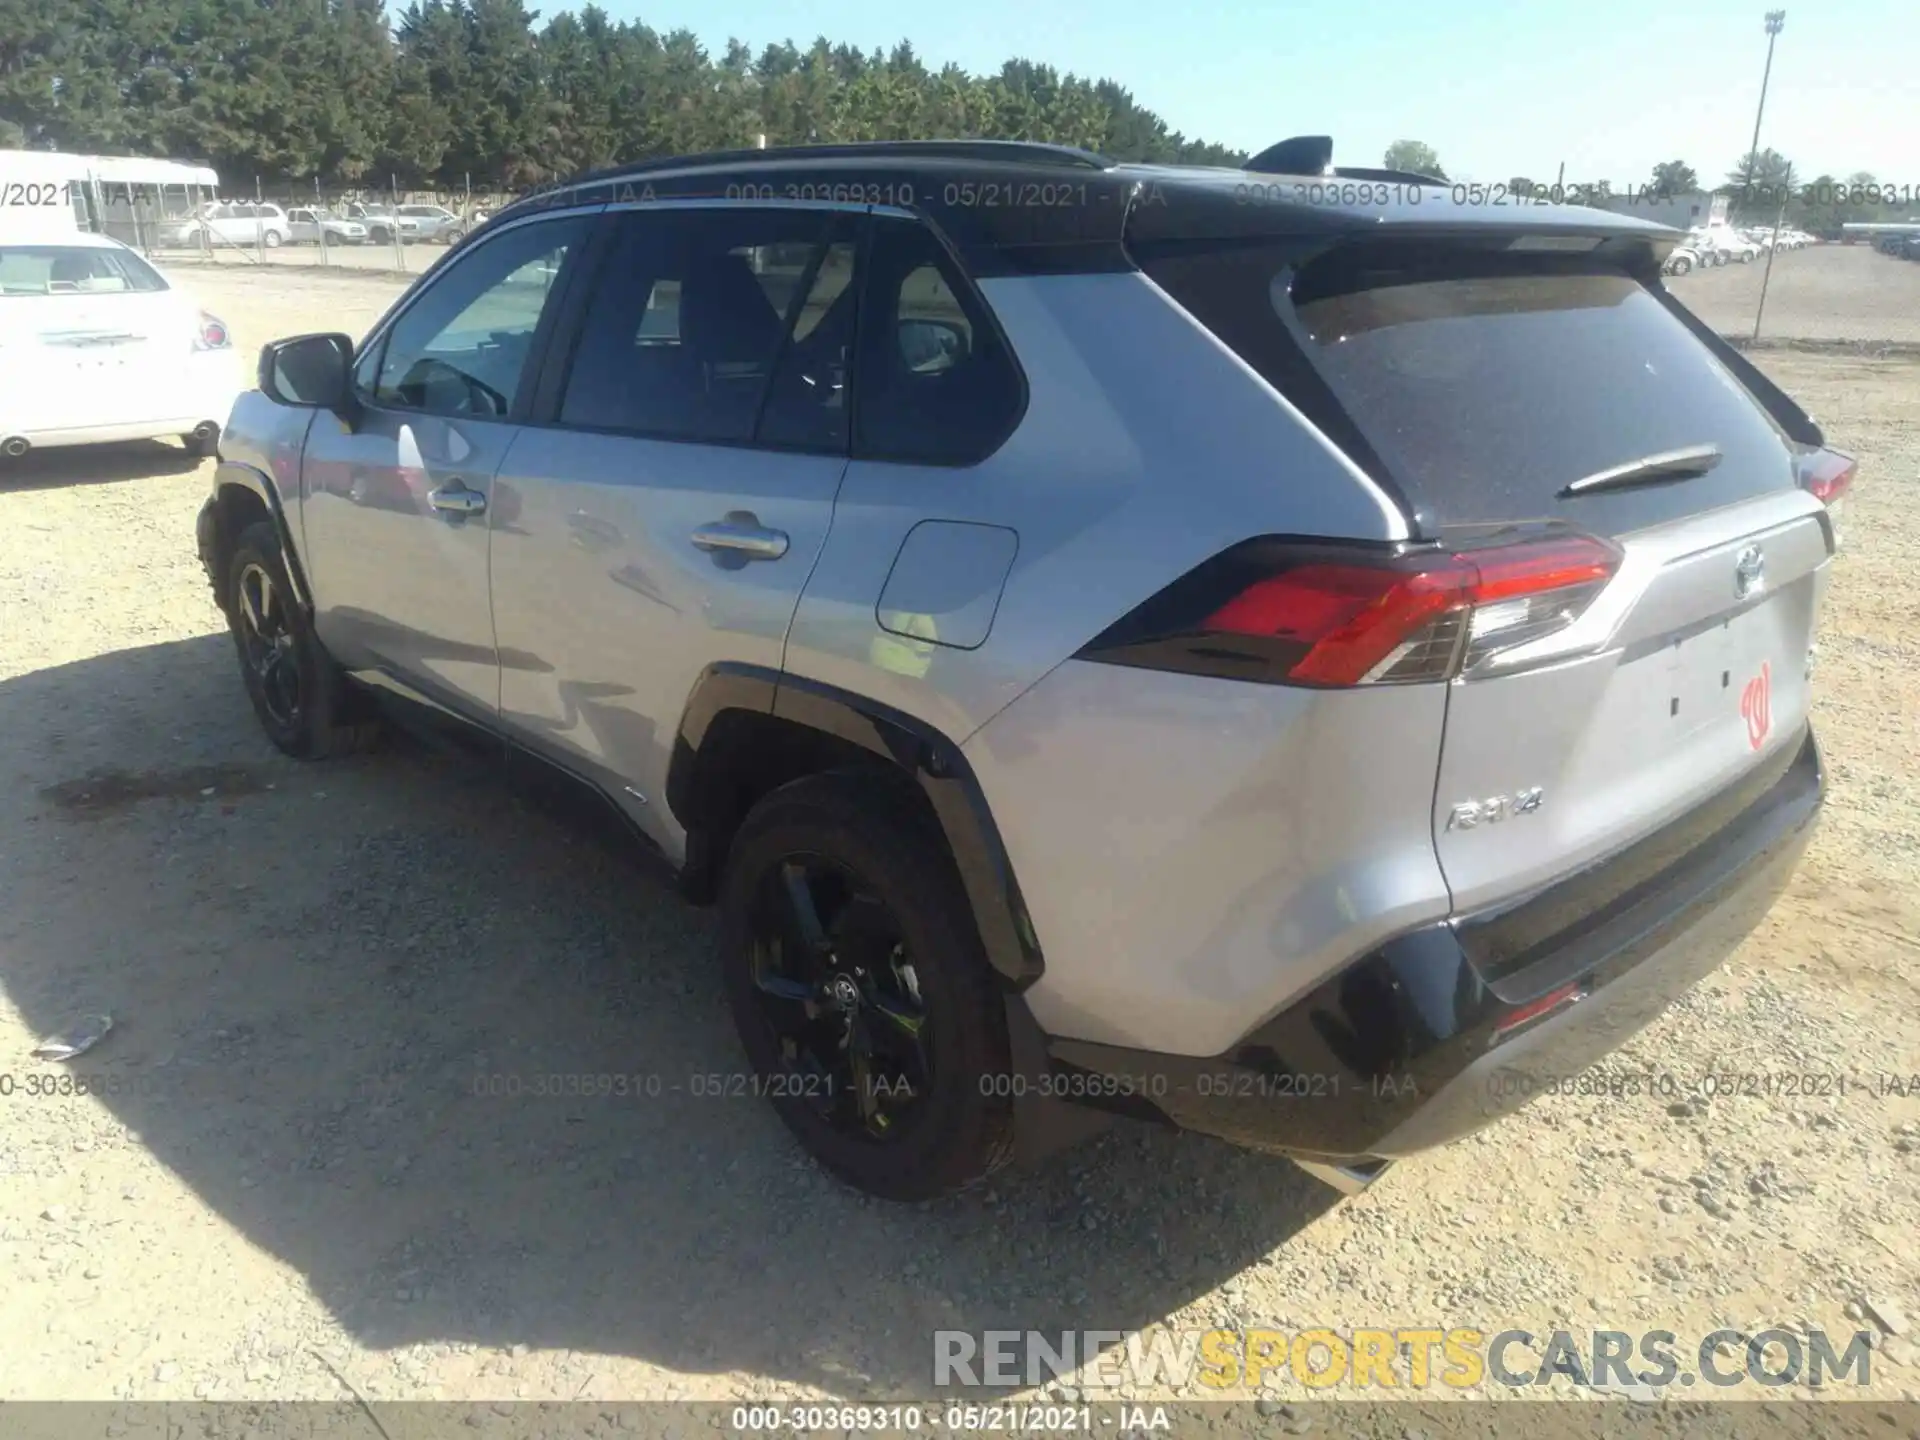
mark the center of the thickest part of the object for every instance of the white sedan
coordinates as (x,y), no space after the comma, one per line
(97,345)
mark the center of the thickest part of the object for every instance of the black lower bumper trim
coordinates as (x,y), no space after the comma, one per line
(1413,1045)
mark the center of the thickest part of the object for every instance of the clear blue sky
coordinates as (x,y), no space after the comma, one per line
(1496,89)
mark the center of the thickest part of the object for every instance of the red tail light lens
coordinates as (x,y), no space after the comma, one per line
(1826,473)
(213,333)
(1325,617)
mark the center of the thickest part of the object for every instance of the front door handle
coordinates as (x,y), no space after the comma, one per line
(456,499)
(742,534)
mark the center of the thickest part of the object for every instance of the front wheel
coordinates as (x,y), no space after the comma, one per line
(860,990)
(298,693)
(273,239)
(1680,266)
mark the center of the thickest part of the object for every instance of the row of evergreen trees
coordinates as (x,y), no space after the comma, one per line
(477,91)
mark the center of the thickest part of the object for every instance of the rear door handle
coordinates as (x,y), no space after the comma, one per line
(456,499)
(742,534)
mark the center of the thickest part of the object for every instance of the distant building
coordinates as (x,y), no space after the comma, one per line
(1682,212)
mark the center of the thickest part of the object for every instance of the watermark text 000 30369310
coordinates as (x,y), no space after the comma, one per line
(1221,1363)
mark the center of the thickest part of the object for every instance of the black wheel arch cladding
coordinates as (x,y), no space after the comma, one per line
(700,787)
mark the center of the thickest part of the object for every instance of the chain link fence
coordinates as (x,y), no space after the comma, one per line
(361,228)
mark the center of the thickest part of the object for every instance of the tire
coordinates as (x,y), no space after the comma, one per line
(1681,267)
(319,722)
(272,239)
(875,845)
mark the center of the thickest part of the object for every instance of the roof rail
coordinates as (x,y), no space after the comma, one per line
(1313,155)
(1024,152)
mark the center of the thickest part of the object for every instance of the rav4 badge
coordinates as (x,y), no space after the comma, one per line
(1495,808)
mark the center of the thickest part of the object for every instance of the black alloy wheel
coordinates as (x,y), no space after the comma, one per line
(263,622)
(859,987)
(839,996)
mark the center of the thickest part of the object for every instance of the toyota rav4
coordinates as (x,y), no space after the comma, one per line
(1269,651)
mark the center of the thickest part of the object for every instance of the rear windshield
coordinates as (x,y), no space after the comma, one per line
(73,270)
(1486,384)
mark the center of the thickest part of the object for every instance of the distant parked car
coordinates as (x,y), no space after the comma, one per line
(434,222)
(245,222)
(100,346)
(307,224)
(1735,245)
(382,221)
(1706,253)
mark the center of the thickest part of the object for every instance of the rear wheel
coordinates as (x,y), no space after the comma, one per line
(858,984)
(272,239)
(1681,265)
(299,695)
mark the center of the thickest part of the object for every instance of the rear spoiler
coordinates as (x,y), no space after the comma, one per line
(1313,155)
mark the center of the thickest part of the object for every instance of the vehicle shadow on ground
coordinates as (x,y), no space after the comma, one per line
(95,465)
(340,992)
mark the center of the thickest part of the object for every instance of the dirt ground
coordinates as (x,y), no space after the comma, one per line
(1823,292)
(313,970)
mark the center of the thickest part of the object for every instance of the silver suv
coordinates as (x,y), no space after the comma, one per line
(1271,651)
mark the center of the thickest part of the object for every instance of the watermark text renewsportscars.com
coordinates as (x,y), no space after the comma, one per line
(1220,1363)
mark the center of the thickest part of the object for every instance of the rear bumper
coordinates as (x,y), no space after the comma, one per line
(1434,1034)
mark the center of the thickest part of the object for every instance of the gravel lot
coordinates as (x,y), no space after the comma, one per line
(1824,292)
(310,966)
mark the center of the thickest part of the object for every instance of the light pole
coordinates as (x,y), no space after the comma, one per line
(1776,20)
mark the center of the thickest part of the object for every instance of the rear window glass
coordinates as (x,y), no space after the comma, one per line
(1487,384)
(73,270)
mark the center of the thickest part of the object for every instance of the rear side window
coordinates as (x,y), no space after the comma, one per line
(936,385)
(687,326)
(1486,383)
(74,270)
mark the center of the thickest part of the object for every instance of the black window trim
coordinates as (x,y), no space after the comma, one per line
(557,361)
(967,292)
(570,267)
(556,357)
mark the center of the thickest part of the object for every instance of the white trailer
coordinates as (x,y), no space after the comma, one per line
(125,197)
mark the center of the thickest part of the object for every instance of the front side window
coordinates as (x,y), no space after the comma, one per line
(937,385)
(73,270)
(689,321)
(462,347)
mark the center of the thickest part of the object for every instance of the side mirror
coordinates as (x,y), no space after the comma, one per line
(929,346)
(309,370)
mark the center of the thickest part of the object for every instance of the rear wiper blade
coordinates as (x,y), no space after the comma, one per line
(1668,465)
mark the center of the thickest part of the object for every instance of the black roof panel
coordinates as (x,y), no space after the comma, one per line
(1015,206)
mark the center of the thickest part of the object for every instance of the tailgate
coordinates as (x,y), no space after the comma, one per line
(1702,676)
(1510,385)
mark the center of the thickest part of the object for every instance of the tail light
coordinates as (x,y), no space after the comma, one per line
(213,333)
(1279,613)
(1827,475)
